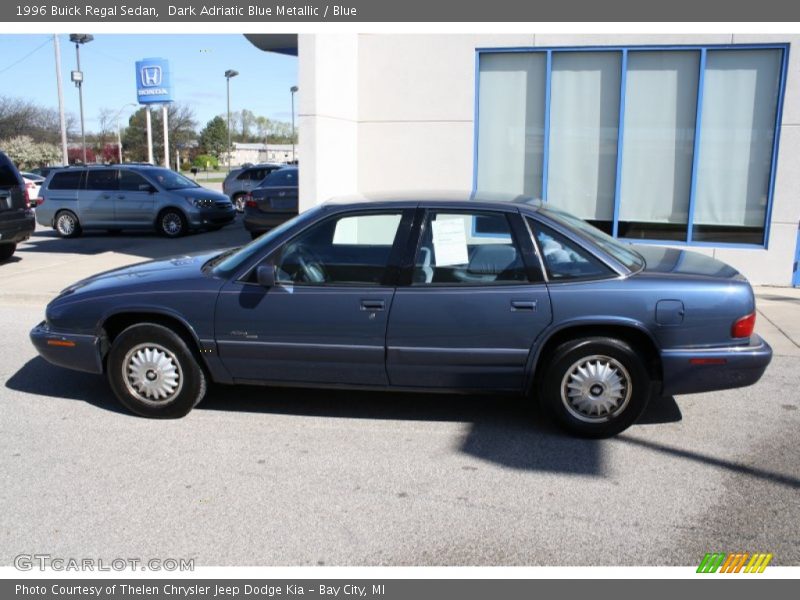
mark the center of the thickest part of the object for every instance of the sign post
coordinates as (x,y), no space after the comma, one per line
(153,86)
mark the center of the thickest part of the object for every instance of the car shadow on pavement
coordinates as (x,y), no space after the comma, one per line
(504,430)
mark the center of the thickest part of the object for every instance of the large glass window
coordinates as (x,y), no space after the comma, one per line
(511,132)
(659,124)
(584,118)
(672,144)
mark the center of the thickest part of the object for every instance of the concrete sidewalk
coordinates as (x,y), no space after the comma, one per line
(778,319)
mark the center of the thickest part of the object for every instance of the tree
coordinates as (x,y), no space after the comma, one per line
(214,137)
(27,154)
(20,116)
(203,161)
(181,126)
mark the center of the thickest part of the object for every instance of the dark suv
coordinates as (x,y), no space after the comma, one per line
(16,219)
(273,202)
(240,181)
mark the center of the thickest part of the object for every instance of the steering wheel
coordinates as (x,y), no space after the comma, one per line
(311,269)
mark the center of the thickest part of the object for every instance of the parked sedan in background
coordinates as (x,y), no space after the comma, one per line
(33,184)
(273,202)
(129,196)
(16,218)
(457,294)
(239,182)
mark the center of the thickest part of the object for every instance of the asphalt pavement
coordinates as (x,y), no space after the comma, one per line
(265,476)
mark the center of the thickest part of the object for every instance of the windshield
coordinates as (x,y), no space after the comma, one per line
(170,180)
(619,250)
(225,264)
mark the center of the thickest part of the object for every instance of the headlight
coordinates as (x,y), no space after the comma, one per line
(203,203)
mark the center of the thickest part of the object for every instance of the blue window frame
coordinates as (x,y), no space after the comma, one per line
(694,229)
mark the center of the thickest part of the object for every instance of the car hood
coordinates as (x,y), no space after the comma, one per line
(684,263)
(200,193)
(152,274)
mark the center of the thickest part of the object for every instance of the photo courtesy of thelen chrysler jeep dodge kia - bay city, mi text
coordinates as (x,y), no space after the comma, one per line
(457,293)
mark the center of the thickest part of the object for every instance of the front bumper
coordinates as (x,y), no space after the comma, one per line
(212,217)
(72,351)
(690,371)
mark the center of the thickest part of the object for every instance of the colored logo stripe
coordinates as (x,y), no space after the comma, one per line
(733,563)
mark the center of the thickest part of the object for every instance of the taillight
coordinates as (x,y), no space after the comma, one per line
(249,202)
(743,328)
(39,200)
(27,197)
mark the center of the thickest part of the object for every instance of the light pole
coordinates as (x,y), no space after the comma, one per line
(229,74)
(119,136)
(77,77)
(293,89)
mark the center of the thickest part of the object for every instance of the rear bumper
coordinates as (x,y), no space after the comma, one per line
(265,221)
(691,371)
(69,350)
(14,231)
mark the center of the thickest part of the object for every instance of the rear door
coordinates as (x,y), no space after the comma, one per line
(134,202)
(474,307)
(96,200)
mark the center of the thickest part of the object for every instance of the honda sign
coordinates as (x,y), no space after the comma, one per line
(152,81)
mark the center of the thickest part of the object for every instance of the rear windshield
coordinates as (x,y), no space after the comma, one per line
(8,178)
(65,180)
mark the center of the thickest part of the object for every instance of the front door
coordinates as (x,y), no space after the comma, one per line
(134,203)
(324,321)
(474,308)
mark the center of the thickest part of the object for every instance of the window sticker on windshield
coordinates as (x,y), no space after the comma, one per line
(450,242)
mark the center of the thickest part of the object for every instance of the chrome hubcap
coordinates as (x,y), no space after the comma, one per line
(171,223)
(66,224)
(152,373)
(596,389)
(240,204)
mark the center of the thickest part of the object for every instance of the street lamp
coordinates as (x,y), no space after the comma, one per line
(293,89)
(119,135)
(230,73)
(77,78)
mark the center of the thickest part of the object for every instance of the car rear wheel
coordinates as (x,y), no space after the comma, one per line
(238,202)
(67,225)
(595,387)
(172,223)
(154,373)
(7,251)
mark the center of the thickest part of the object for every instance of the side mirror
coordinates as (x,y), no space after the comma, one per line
(265,275)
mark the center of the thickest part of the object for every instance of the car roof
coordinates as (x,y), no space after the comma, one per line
(473,198)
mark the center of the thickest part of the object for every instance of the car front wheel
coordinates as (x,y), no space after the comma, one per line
(154,373)
(595,387)
(172,223)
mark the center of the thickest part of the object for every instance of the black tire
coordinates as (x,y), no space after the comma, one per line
(66,224)
(604,398)
(172,223)
(7,251)
(175,372)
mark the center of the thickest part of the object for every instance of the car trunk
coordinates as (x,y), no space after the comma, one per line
(13,203)
(672,261)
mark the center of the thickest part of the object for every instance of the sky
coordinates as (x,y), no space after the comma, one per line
(197,66)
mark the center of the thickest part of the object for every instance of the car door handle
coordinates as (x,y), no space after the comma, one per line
(105,196)
(373,305)
(120,196)
(529,305)
(281,193)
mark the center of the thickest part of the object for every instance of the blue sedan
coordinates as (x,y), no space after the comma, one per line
(448,293)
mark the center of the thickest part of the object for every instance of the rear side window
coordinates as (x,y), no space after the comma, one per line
(102,180)
(565,259)
(66,180)
(282,178)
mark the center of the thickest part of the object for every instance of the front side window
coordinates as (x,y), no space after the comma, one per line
(350,250)
(453,252)
(132,182)
(563,258)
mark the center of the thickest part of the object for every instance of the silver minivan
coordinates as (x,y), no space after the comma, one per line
(118,197)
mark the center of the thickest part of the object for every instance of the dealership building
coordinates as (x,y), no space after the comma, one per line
(691,141)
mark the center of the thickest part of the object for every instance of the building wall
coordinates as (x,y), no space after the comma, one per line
(396,113)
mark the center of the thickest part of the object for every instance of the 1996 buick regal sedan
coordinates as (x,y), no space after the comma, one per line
(445,293)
